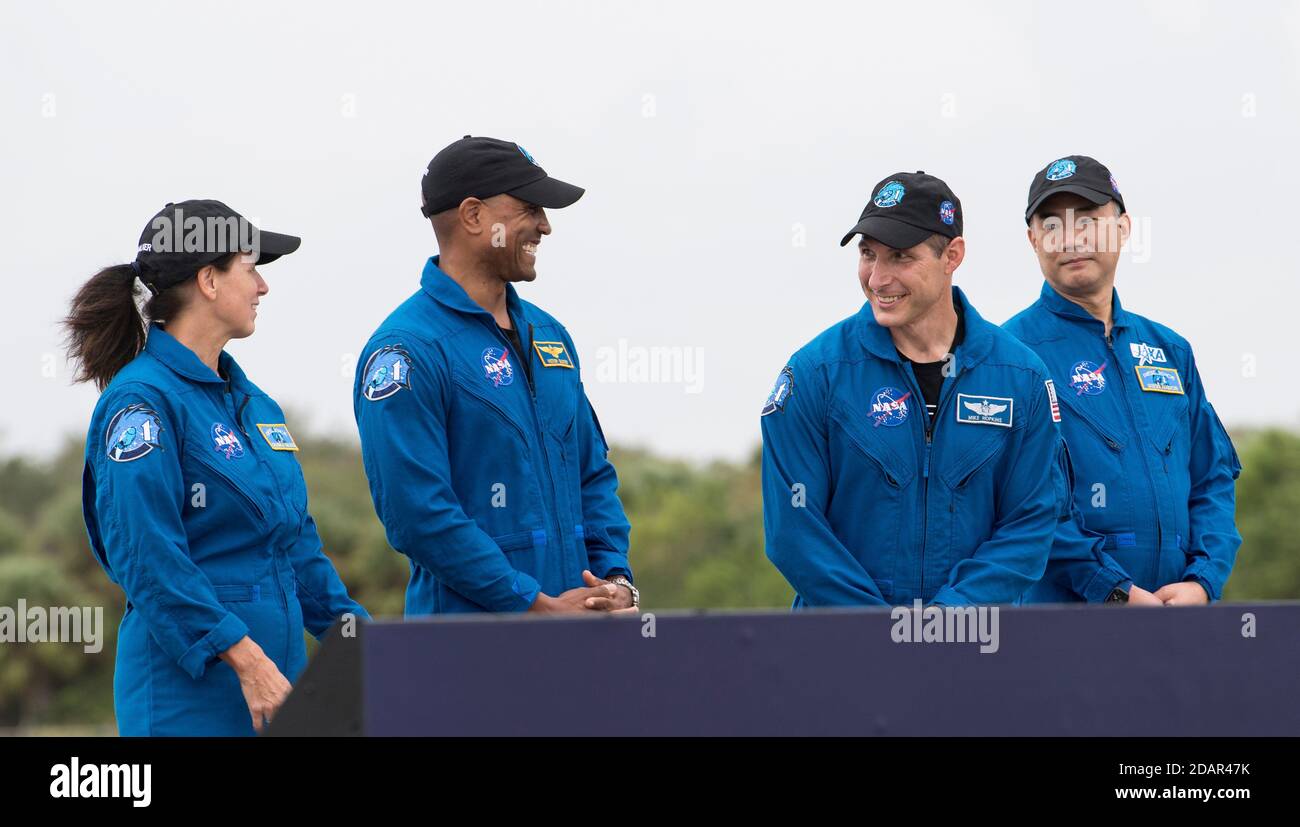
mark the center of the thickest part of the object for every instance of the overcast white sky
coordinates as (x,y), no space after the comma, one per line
(725,148)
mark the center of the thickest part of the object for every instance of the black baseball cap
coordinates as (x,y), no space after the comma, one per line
(908,208)
(185,236)
(1078,174)
(484,167)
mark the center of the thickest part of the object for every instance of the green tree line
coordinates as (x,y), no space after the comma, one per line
(697,542)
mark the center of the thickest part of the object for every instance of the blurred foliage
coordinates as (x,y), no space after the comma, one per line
(696,542)
(1268,515)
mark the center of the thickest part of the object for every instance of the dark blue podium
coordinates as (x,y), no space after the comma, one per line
(1101,670)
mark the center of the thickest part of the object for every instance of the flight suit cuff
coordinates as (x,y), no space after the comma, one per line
(526,590)
(948,596)
(605,562)
(1105,581)
(1195,574)
(225,634)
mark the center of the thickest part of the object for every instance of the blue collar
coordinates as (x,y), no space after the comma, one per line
(972,350)
(445,290)
(1067,309)
(167,349)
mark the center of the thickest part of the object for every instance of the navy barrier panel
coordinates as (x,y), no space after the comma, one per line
(1103,670)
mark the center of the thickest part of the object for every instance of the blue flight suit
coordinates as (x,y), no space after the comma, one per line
(495,487)
(868,501)
(196,506)
(1154,468)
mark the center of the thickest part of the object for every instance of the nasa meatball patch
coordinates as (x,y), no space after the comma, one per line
(889,407)
(1087,378)
(497,368)
(226,442)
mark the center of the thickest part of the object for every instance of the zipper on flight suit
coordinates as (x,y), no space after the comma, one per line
(546,451)
(239,415)
(537,423)
(261,462)
(945,393)
(1155,500)
(276,551)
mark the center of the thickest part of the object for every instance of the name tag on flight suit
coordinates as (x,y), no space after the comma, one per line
(985,410)
(278,437)
(1160,380)
(553,354)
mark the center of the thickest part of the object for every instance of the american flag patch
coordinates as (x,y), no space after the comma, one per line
(1051,397)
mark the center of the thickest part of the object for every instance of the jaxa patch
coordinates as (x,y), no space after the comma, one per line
(496,366)
(1146,354)
(278,437)
(388,370)
(553,354)
(889,407)
(226,442)
(1051,398)
(132,433)
(985,410)
(781,392)
(1160,380)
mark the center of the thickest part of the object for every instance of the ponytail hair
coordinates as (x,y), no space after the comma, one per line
(105,327)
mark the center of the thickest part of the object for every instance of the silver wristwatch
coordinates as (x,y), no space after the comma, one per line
(620,580)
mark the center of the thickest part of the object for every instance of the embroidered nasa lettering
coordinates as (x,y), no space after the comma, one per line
(226,442)
(496,366)
(1087,378)
(889,407)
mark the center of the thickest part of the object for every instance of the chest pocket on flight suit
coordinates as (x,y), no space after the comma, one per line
(557,406)
(973,485)
(210,468)
(1168,415)
(220,502)
(558,391)
(231,526)
(489,448)
(1100,460)
(869,478)
(1169,439)
(283,464)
